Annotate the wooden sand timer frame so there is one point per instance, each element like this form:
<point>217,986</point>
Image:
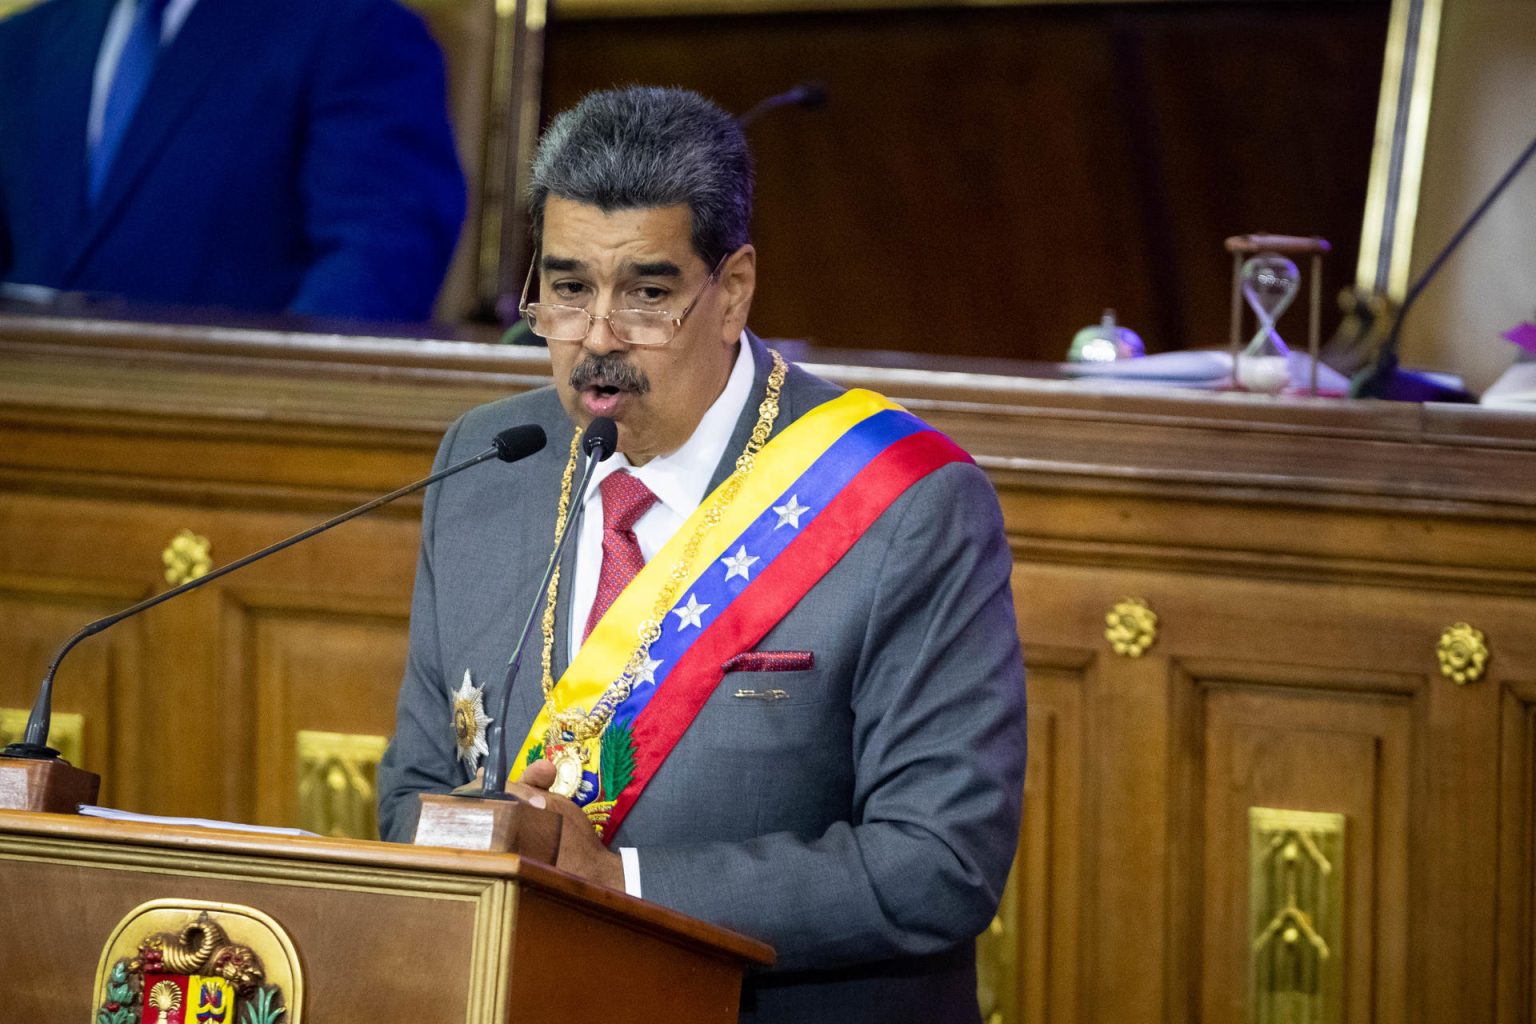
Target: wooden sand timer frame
<point>1244,246</point>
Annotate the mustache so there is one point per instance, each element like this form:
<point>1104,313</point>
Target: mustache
<point>610,370</point>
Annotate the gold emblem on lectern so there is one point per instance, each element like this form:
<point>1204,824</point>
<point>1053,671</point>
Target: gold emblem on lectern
<point>190,962</point>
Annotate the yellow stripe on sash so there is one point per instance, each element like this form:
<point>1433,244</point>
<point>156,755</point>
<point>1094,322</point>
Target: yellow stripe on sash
<point>776,467</point>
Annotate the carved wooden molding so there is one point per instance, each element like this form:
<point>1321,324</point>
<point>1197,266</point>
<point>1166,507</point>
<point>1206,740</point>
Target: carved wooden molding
<point>56,373</point>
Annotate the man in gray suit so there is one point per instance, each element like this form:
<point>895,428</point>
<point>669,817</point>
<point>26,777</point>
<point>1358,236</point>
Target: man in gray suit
<point>833,763</point>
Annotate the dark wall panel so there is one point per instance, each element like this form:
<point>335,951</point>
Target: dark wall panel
<point>984,181</point>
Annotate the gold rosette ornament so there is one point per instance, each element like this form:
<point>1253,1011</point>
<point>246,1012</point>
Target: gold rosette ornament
<point>1132,627</point>
<point>187,557</point>
<point>1463,653</point>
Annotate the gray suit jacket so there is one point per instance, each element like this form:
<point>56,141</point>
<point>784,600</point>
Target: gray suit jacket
<point>865,825</point>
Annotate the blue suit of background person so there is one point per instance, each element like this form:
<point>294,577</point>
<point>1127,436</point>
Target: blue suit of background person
<point>287,155</point>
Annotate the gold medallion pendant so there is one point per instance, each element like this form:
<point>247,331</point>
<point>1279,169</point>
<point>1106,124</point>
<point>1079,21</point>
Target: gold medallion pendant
<point>566,749</point>
<point>568,772</point>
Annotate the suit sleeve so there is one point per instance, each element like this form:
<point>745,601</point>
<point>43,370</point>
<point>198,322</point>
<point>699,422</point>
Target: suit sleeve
<point>939,747</point>
<point>421,756</point>
<point>382,188</point>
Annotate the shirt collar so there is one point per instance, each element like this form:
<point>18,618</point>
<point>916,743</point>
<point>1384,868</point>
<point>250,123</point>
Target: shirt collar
<point>679,479</point>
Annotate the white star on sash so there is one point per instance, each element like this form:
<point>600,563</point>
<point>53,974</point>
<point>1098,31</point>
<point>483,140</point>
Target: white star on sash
<point>690,613</point>
<point>647,672</point>
<point>739,563</point>
<point>790,512</point>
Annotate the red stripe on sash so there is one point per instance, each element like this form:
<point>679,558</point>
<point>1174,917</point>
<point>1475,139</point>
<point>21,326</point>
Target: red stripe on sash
<point>760,607</point>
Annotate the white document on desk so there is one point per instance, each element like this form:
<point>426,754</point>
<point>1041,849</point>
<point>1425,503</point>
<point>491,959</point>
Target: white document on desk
<point>115,814</point>
<point>1515,388</point>
<point>1203,368</point>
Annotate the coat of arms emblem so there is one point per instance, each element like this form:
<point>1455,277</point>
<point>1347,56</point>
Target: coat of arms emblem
<point>191,962</point>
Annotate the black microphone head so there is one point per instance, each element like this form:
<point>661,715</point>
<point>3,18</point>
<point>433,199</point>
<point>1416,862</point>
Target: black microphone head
<point>518,442</point>
<point>810,95</point>
<point>601,438</point>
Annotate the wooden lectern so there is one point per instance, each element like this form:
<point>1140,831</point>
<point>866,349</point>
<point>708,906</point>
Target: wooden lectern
<point>383,933</point>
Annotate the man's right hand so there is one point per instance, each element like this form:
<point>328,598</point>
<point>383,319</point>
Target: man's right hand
<point>581,853</point>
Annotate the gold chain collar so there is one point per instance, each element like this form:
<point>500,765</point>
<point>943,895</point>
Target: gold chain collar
<point>586,725</point>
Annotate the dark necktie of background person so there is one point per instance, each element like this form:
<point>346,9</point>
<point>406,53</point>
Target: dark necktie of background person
<point>134,69</point>
<point>625,500</point>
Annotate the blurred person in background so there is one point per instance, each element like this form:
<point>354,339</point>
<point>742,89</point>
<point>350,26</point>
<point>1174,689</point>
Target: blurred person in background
<point>281,156</point>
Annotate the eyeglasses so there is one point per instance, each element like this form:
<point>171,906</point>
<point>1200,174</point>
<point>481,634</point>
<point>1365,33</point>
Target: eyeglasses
<point>640,327</point>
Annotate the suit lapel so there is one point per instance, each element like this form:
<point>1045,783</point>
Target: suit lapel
<point>65,91</point>
<point>537,539</point>
<point>207,42</point>
<point>562,652</point>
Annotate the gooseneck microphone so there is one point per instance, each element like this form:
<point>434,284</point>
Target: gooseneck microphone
<point>510,445</point>
<point>598,442</point>
<point>806,95</point>
<point>1383,379</point>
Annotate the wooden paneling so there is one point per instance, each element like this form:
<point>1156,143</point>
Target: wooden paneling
<point>312,668</point>
<point>186,705</point>
<point>192,708</point>
<point>1318,751</point>
<point>1517,854</point>
<point>1302,558</point>
<point>1038,929</point>
<point>51,584</point>
<point>90,688</point>
<point>1281,693</point>
<point>1051,875</point>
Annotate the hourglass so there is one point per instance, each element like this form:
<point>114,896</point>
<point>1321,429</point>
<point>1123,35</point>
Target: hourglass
<point>1264,275</point>
<point>1270,282</point>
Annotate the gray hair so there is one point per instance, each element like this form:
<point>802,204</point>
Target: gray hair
<point>643,147</point>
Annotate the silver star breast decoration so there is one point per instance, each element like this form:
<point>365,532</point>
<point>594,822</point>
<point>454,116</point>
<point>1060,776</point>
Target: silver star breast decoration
<point>469,722</point>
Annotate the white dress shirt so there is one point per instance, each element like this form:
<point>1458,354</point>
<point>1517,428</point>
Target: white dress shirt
<point>112,43</point>
<point>680,481</point>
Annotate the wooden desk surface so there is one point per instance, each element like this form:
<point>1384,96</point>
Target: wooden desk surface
<point>401,393</point>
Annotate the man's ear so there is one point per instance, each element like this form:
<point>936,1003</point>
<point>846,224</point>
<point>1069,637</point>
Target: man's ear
<point>738,283</point>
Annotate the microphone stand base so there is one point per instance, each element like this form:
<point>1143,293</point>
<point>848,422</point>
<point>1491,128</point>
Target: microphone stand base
<point>488,823</point>
<point>47,784</point>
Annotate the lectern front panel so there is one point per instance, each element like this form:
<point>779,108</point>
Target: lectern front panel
<point>61,900</point>
<point>381,933</point>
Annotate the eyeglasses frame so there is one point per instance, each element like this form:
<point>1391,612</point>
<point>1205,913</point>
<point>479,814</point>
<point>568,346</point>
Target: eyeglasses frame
<point>592,318</point>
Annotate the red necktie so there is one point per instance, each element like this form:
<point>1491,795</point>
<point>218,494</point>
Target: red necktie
<point>625,500</point>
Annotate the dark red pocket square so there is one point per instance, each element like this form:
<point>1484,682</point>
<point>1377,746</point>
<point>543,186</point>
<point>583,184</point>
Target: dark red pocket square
<point>770,661</point>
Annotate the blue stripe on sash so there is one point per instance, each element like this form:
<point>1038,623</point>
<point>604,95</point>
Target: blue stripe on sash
<point>766,538</point>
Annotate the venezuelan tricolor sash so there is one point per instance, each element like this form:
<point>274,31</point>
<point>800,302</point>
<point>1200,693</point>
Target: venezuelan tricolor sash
<point>813,491</point>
